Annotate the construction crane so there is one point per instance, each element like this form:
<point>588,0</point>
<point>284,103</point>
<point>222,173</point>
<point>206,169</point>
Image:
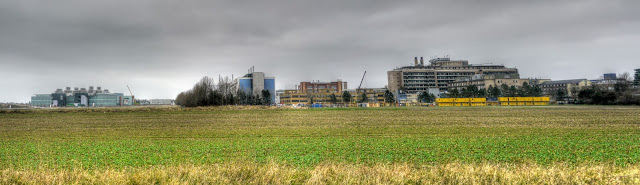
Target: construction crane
<point>358,90</point>
<point>133,101</point>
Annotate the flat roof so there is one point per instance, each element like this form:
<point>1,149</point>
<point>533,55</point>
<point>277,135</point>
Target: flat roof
<point>562,81</point>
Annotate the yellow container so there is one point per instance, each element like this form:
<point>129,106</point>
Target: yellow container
<point>537,99</point>
<point>478,100</point>
<point>503,99</point>
<point>545,99</point>
<point>528,99</point>
<point>520,99</point>
<point>465,104</point>
<point>478,104</point>
<point>512,99</point>
<point>460,100</point>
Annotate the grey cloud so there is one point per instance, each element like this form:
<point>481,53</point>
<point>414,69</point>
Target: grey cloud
<point>162,47</point>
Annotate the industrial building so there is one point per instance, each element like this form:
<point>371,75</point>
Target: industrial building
<point>323,96</point>
<point>81,97</point>
<point>254,82</point>
<point>374,95</point>
<point>161,102</point>
<point>609,76</point>
<point>572,87</point>
<point>438,73</point>
<point>317,92</point>
<point>483,81</point>
<point>317,86</point>
<point>320,92</point>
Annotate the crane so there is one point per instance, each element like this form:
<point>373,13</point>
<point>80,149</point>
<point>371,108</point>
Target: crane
<point>358,90</point>
<point>133,101</point>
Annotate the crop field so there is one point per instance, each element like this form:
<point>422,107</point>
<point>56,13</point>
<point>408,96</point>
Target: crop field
<point>240,145</point>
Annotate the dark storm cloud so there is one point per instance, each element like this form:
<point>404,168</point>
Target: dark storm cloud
<point>161,47</point>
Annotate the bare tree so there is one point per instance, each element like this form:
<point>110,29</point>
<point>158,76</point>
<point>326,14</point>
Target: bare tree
<point>625,77</point>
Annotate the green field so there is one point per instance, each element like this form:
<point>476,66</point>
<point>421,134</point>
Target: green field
<point>124,139</point>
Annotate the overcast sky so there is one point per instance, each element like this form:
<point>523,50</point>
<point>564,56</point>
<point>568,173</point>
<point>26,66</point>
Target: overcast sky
<point>162,47</point>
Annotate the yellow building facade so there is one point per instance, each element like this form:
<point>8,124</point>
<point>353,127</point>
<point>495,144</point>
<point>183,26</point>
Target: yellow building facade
<point>297,97</point>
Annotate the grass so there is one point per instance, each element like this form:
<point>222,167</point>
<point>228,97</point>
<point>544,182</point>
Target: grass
<point>275,173</point>
<point>501,140</point>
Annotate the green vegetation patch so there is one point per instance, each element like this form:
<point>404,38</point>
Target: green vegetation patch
<point>306,138</point>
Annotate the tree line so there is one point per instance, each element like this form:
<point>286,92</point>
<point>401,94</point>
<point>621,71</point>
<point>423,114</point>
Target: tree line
<point>504,90</point>
<point>361,98</point>
<point>622,93</point>
<point>207,93</point>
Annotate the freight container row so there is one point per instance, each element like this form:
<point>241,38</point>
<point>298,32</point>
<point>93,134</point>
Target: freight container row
<point>523,99</point>
<point>504,101</point>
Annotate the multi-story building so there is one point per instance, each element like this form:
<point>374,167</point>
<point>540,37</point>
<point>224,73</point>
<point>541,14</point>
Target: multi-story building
<point>374,95</point>
<point>572,87</point>
<point>41,100</point>
<point>295,97</point>
<point>636,77</point>
<point>316,91</point>
<point>486,81</point>
<point>81,97</point>
<point>317,86</point>
<point>254,82</point>
<point>438,74</point>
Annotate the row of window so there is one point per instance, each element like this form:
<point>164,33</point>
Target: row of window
<point>474,67</point>
<point>424,77</point>
<point>500,72</point>
<point>419,81</point>
<point>556,85</point>
<point>457,73</point>
<point>417,73</point>
<point>420,85</point>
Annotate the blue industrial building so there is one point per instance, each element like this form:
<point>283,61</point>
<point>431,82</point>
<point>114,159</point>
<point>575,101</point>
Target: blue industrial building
<point>254,82</point>
<point>610,76</point>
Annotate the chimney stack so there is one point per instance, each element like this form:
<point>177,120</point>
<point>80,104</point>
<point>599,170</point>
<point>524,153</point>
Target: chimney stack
<point>415,60</point>
<point>421,61</point>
